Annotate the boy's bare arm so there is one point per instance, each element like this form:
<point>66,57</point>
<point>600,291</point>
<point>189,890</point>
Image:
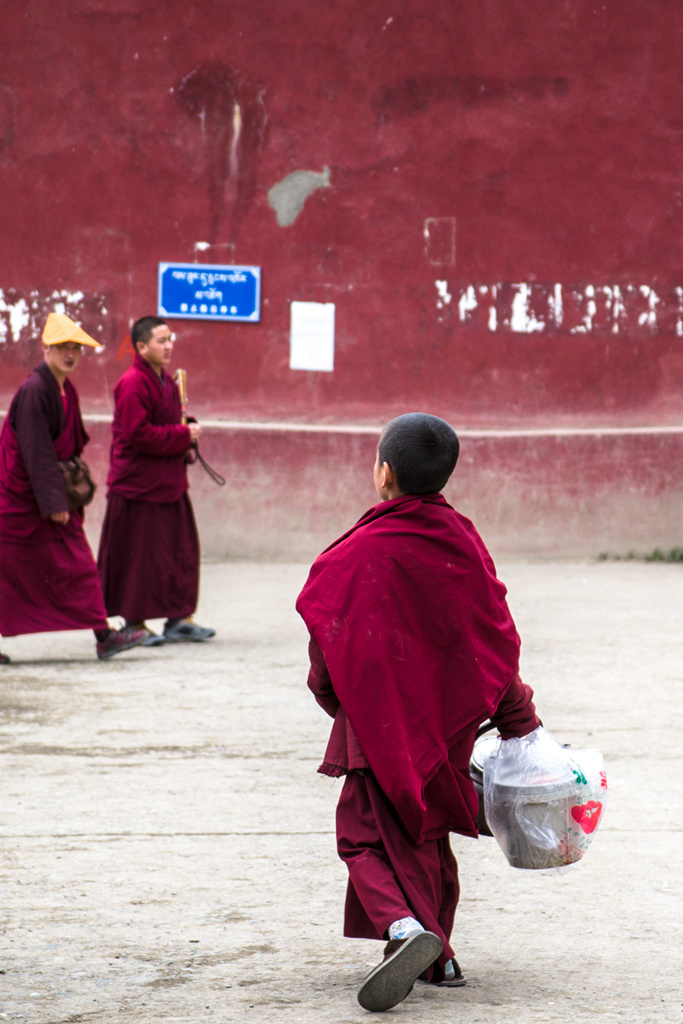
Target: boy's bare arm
<point>319,681</point>
<point>516,714</point>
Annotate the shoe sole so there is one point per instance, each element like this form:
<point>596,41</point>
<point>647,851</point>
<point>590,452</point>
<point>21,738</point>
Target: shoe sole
<point>393,979</point>
<point>119,650</point>
<point>153,641</point>
<point>186,639</point>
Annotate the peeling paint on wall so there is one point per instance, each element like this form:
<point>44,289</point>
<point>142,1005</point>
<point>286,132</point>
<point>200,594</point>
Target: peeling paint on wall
<point>439,236</point>
<point>444,295</point>
<point>522,319</point>
<point>23,314</point>
<point>232,118</point>
<point>531,307</point>
<point>287,198</point>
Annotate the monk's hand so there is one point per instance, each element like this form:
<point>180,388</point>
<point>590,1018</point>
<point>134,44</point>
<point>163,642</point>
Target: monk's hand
<point>195,432</point>
<point>60,517</point>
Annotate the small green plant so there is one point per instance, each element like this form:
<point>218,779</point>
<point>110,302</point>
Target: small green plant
<point>672,555</point>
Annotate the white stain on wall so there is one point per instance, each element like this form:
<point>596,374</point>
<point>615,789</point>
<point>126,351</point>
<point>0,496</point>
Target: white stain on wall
<point>467,302</point>
<point>23,314</point>
<point>15,319</point>
<point>555,305</point>
<point>439,239</point>
<point>530,307</point>
<point>649,318</point>
<point>444,295</point>
<point>522,320</point>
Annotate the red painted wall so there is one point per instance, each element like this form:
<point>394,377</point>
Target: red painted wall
<point>291,492</point>
<point>498,222</point>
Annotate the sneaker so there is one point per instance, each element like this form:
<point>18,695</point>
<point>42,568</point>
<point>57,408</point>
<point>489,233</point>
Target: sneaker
<point>119,640</point>
<point>186,630</point>
<point>391,981</point>
<point>152,639</point>
<point>4,659</point>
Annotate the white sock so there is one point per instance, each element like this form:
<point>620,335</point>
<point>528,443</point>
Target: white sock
<point>449,971</point>
<point>405,928</point>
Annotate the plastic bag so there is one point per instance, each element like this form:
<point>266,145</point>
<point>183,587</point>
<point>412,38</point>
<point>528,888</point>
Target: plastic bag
<point>543,801</point>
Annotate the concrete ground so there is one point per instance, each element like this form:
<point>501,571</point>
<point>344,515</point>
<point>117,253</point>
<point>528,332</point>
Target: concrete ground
<point>167,848</point>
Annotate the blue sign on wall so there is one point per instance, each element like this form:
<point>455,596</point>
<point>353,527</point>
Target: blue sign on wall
<point>200,291</point>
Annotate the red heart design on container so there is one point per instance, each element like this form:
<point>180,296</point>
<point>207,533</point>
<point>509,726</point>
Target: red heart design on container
<point>588,815</point>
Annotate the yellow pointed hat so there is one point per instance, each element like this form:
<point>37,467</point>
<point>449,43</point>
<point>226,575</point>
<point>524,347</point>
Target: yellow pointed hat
<point>60,328</point>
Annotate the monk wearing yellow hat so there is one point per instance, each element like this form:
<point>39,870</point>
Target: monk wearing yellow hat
<point>48,576</point>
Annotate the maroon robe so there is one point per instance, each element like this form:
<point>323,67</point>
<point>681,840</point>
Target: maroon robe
<point>390,877</point>
<point>412,647</point>
<point>48,576</point>
<point>149,549</point>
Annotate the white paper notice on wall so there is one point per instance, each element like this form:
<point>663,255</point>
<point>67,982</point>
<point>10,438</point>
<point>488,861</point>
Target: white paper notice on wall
<point>312,336</point>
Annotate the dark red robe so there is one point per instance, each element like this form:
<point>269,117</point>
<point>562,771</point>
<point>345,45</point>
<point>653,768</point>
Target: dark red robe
<point>412,647</point>
<point>48,576</point>
<point>149,549</point>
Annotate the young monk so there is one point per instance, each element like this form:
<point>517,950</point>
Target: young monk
<point>412,647</point>
<point>149,547</point>
<point>48,576</point>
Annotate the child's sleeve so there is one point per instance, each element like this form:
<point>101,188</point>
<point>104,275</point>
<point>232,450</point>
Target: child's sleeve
<point>516,713</point>
<point>319,681</point>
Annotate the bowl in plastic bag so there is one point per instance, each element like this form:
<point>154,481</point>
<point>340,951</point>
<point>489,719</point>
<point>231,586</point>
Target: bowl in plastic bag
<point>543,801</point>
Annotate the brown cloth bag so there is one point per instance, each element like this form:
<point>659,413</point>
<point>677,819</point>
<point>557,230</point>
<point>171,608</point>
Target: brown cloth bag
<point>80,487</point>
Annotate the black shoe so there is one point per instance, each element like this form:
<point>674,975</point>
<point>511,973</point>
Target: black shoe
<point>4,659</point>
<point>457,980</point>
<point>186,631</point>
<point>391,981</point>
<point>120,640</point>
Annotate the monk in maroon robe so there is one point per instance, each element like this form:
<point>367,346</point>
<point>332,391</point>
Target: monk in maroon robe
<point>48,576</point>
<point>149,548</point>
<point>412,647</point>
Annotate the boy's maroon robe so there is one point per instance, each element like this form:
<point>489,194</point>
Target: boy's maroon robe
<point>48,576</point>
<point>412,647</point>
<point>149,549</point>
<point>420,646</point>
